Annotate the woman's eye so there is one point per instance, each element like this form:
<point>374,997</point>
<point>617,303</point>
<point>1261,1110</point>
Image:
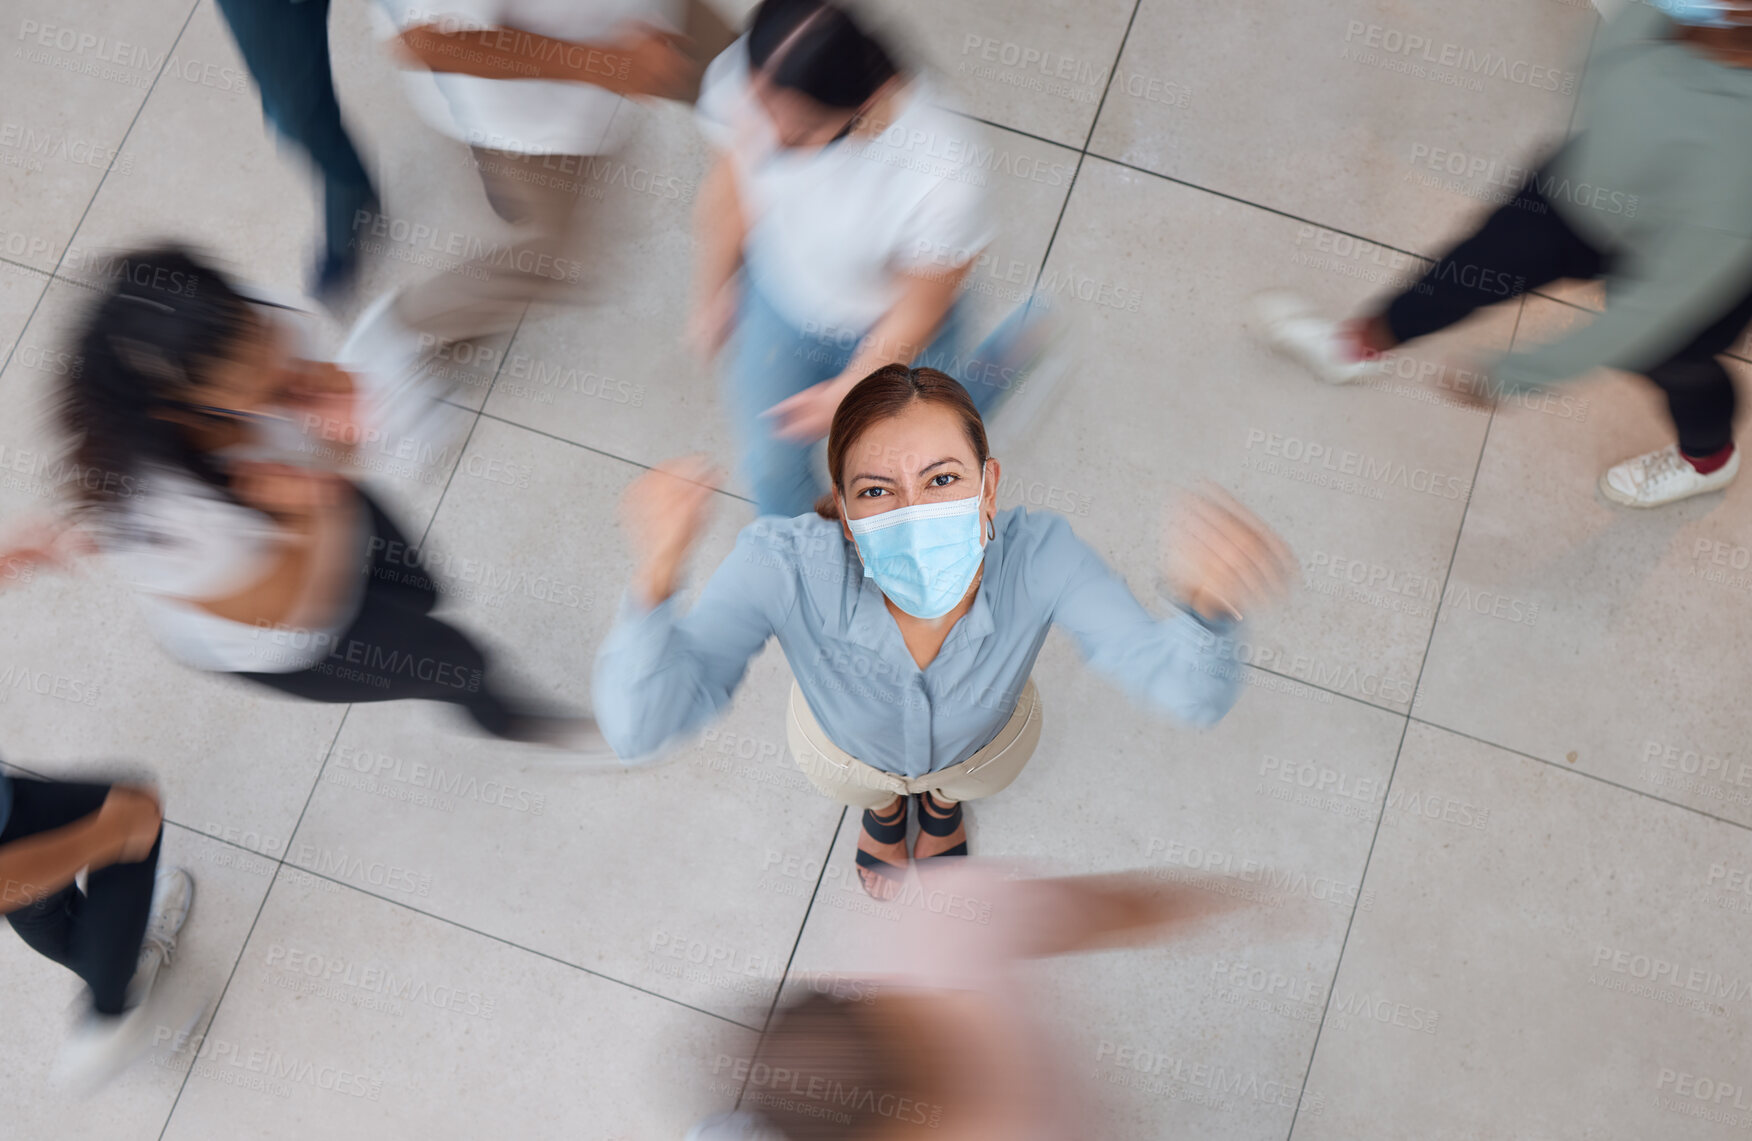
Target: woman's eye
<point>944,479</point>
<point>872,492</point>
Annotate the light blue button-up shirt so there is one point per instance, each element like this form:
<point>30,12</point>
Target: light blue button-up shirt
<point>662,673</point>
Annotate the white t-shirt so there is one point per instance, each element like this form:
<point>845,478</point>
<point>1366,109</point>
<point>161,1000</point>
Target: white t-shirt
<point>176,539</point>
<point>527,116</point>
<point>830,228</point>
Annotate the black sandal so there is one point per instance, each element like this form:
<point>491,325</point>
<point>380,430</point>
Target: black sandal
<point>884,830</point>
<point>934,825</point>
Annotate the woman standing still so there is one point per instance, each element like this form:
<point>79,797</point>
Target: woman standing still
<point>911,611</point>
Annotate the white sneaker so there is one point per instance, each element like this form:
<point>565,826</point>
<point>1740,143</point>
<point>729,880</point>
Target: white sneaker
<point>572,743</point>
<point>1290,326</point>
<point>736,1126</point>
<point>173,891</point>
<point>402,382</point>
<point>1664,476</point>
<point>101,1046</point>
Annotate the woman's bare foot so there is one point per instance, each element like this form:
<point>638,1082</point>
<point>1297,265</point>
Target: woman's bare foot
<point>942,831</point>
<point>882,854</point>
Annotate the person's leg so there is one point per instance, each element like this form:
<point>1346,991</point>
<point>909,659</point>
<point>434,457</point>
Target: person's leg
<point>1702,402</point>
<point>999,762</point>
<point>1700,392</point>
<point>540,195</point>
<point>397,652</point>
<point>95,934</point>
<point>396,567</point>
<point>285,46</point>
<point>1521,246</point>
<point>881,855</point>
<point>768,360</point>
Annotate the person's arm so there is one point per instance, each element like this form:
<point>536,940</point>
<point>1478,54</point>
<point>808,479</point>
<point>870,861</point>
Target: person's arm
<point>645,62</point>
<point>307,571</point>
<point>720,230</point>
<point>904,332</point>
<point>1221,563</point>
<point>1179,665</point>
<point>1655,308</point>
<point>661,673</point>
<point>122,830</point>
<point>1071,914</point>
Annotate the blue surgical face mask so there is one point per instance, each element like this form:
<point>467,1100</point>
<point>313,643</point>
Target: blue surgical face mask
<point>923,557</point>
<point>1699,13</point>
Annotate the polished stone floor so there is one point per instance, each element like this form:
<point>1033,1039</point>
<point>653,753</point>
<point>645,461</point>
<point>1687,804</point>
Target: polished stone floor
<point>1484,793</point>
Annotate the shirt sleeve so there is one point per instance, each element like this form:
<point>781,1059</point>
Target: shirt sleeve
<point>949,227</point>
<point>661,674</point>
<point>178,542</point>
<point>1667,296</point>
<point>723,86</point>
<point>1176,664</point>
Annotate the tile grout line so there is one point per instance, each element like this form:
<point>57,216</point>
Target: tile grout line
<point>1405,730</point>
<point>462,449</point>
<point>767,1022</point>
<point>1398,753</point>
<point>1083,152</point>
<point>52,275</point>
<point>212,1013</point>
<point>280,863</point>
<point>1585,775</point>
<point>98,189</point>
<point>460,926</point>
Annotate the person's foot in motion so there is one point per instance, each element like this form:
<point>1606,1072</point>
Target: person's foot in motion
<point>568,741</point>
<point>1668,475</point>
<point>882,854</point>
<point>101,1046</point>
<point>942,830</point>
<point>1335,351</point>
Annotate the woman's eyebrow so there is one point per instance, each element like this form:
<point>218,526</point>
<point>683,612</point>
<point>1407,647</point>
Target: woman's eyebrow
<point>939,463</point>
<point>874,478</point>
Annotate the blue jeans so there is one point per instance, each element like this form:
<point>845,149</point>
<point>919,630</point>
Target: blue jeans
<point>770,359</point>
<point>285,45</point>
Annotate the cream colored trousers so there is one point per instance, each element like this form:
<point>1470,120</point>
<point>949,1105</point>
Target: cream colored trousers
<point>850,781</point>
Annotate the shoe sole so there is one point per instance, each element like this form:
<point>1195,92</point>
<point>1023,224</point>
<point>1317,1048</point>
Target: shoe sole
<point>1269,310</point>
<point>1623,500</point>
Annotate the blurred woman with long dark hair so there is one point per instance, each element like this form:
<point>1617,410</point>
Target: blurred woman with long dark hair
<point>249,550</point>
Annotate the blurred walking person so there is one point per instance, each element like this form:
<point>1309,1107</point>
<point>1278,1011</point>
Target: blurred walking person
<point>117,932</point>
<point>937,1033</point>
<point>1652,196</point>
<point>842,215</point>
<point>537,89</point>
<point>250,550</point>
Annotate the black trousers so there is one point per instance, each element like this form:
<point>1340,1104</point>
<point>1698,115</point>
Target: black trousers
<point>395,650</point>
<point>95,934</point>
<point>1527,244</point>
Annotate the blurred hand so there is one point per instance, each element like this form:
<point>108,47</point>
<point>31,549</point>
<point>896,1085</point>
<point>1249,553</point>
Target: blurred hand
<point>47,541</point>
<point>664,511</point>
<point>1222,561</point>
<point>807,416</point>
<point>323,401</point>
<point>710,323</point>
<point>658,65</point>
<point>129,820</point>
<point>284,491</point>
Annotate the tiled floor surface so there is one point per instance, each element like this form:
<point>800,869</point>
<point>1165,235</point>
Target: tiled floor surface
<point>1489,770</point>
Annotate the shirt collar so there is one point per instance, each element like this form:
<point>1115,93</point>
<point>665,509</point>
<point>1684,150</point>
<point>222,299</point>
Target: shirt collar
<point>871,626</point>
